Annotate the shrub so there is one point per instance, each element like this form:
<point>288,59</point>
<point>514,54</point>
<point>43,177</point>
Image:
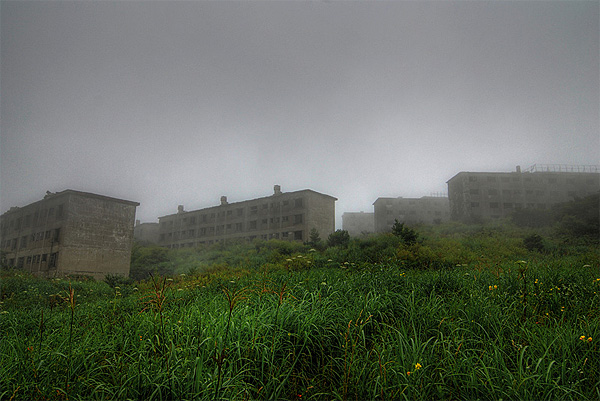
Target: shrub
<point>534,242</point>
<point>338,238</point>
<point>407,234</point>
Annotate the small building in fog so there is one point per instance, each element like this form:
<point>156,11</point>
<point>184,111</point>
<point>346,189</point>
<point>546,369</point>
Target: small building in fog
<point>358,223</point>
<point>491,195</point>
<point>145,232</point>
<point>411,211</point>
<point>288,216</point>
<point>70,232</point>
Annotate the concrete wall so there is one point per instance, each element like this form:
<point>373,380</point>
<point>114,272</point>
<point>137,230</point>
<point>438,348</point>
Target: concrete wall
<point>477,195</point>
<point>358,224</point>
<point>98,237</point>
<point>285,216</point>
<point>424,210</point>
<point>70,232</point>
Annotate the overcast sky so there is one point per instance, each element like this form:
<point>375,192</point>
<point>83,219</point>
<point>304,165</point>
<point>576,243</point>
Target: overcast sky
<point>169,103</point>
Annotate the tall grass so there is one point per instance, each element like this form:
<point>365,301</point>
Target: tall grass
<point>520,327</point>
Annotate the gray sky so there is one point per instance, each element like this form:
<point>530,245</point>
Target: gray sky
<point>169,103</point>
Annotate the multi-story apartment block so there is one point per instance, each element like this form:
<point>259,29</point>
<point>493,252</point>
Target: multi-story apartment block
<point>70,232</point>
<point>358,223</point>
<point>424,210</point>
<point>145,232</point>
<point>476,196</point>
<point>283,215</point>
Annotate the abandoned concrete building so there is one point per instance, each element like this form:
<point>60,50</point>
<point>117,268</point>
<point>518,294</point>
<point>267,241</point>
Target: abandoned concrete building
<point>358,223</point>
<point>480,196</point>
<point>145,232</point>
<point>283,215</point>
<point>70,232</point>
<point>424,210</point>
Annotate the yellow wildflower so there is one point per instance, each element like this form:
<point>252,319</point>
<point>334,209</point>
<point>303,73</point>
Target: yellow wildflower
<point>582,338</point>
<point>419,366</point>
<point>589,339</point>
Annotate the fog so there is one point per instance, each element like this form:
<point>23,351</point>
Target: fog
<point>169,103</point>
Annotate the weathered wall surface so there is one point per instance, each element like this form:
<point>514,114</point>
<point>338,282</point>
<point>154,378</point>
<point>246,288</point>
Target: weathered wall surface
<point>98,237</point>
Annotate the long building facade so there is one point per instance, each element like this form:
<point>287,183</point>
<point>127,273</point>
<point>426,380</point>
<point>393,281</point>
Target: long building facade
<point>284,215</point>
<point>69,232</point>
<point>424,210</point>
<point>482,196</point>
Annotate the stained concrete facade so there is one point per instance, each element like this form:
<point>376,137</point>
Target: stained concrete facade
<point>482,196</point>
<point>283,215</point>
<point>145,232</point>
<point>411,211</point>
<point>70,232</point>
<point>358,223</point>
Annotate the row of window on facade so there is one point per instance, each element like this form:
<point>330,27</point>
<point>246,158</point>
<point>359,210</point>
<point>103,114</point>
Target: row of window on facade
<point>518,192</point>
<point>423,212</point>
<point>236,227</point>
<point>295,235</point>
<point>239,212</point>
<point>44,259</point>
<point>32,220</point>
<point>509,205</point>
<point>14,243</point>
<point>518,178</point>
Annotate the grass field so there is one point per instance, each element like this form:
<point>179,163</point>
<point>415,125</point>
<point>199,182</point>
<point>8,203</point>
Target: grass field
<point>331,324</point>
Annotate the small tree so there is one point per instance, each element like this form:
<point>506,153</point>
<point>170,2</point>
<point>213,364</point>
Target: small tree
<point>534,242</point>
<point>315,240</point>
<point>338,238</point>
<point>406,234</point>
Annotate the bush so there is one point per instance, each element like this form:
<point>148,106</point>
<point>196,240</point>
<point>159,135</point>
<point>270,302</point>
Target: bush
<point>534,242</point>
<point>407,234</point>
<point>338,238</point>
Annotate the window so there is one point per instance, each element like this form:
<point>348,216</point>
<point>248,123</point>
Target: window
<point>298,235</point>
<point>507,205</point>
<point>491,179</point>
<point>265,205</point>
<point>492,192</point>
<point>494,205</point>
<point>27,220</point>
<point>51,211</point>
<point>472,178</point>
<point>238,227</point>
<point>240,212</point>
<point>23,241</point>
<point>253,210</point>
<point>474,204</point>
<point>298,219</point>
<point>229,212</point>
<point>252,225</point>
<point>506,192</point>
<point>60,211</point>
<point>53,259</point>
<point>298,202</point>
<point>285,218</point>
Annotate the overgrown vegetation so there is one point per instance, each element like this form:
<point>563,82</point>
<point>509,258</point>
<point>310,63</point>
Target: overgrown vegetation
<point>461,312</point>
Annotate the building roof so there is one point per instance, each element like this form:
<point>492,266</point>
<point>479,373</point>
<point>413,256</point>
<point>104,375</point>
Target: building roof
<point>252,200</point>
<point>73,192</point>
